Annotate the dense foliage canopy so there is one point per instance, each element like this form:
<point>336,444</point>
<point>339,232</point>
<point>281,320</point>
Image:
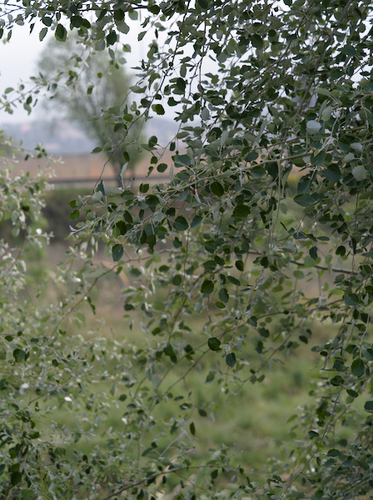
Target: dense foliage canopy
<point>263,233</point>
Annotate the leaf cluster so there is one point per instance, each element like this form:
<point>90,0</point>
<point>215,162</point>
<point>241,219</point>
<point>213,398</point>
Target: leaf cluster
<point>263,233</point>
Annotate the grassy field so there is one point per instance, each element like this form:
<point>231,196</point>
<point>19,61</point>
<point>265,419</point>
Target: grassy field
<point>253,421</point>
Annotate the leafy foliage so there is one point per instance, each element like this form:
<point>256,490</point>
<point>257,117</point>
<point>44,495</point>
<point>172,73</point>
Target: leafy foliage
<point>263,230</point>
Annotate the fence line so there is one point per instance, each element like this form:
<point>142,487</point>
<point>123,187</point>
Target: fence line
<point>89,180</point>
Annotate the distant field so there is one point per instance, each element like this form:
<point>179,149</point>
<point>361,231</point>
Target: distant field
<point>254,421</point>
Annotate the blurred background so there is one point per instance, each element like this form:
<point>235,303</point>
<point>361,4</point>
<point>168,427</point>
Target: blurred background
<point>261,426</point>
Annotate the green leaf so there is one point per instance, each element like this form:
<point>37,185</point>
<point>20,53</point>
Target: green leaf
<point>332,173</point>
<point>60,33</point>
<point>352,393</point>
<point>162,167</point>
<point>181,223</point>
<point>207,287</point>
<point>196,221</point>
<point>304,200</point>
<point>313,127</point>
<point>299,275</point>
<point>214,344</point>
<point>313,253</point>
<point>217,189</point>
<point>177,280</point>
<point>101,188</point>
<point>47,20</point>
<point>182,161</point>
<point>19,355</point>
<point>239,265</point>
<point>154,9</point>
<point>351,299</point>
<point>241,211</point>
<point>137,89</point>
<point>43,33</point>
<point>209,265</point>
<point>117,252</point>
<point>368,406</point>
<point>152,141</point>
<point>76,21</point>
<point>111,38</point>
<point>75,214</point>
<point>181,85</point>
<point>96,150</point>
<point>358,367</point>
<point>15,478</point>
<point>341,250</point>
<point>171,102</point>
<point>337,380</point>
<point>223,295</point>
<point>203,4</point>
<point>368,353</point>
<point>257,41</point>
<point>145,452</point>
<point>177,243</point>
<point>234,280</point>
<point>313,434</point>
<point>359,172</point>
<point>158,108</point>
<point>231,359</point>
<point>152,200</point>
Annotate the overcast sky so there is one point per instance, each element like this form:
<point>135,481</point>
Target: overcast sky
<point>19,61</point>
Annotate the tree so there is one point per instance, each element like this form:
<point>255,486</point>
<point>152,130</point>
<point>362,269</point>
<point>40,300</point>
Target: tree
<point>89,96</point>
<point>272,193</point>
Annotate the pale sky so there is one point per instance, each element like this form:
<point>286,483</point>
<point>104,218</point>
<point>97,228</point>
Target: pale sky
<point>18,61</point>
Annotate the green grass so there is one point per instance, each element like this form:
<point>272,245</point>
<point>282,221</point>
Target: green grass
<point>253,420</point>
<point>254,432</point>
